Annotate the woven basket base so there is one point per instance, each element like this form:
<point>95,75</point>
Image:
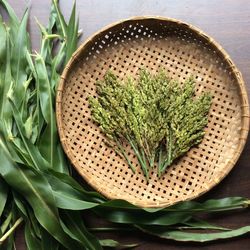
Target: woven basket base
<point>182,51</point>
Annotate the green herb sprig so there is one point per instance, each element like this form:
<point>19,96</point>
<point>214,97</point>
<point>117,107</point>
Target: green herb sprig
<point>160,119</point>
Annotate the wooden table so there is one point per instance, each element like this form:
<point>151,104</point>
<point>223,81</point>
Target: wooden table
<point>228,22</point>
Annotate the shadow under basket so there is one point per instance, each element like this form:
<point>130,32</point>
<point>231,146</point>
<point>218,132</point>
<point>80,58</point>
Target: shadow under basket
<point>181,50</point>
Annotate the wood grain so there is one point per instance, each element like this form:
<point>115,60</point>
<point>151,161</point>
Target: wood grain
<point>228,22</point>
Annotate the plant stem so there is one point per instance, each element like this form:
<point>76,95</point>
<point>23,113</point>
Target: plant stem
<point>159,159</point>
<point>145,165</point>
<point>168,160</point>
<point>120,147</point>
<point>11,230</point>
<point>152,160</point>
<point>140,157</point>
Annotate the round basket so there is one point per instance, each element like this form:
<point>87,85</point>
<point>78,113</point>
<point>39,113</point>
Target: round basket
<point>182,50</point>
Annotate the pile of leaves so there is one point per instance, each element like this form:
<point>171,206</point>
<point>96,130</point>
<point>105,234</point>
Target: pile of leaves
<point>157,117</point>
<point>36,188</point>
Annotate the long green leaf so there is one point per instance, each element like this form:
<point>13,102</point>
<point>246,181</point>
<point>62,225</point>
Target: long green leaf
<point>3,38</point>
<point>49,139</point>
<point>20,204</point>
<point>37,116</point>
<point>5,224</point>
<point>140,217</point>
<point>57,63</point>
<point>38,161</point>
<point>48,242</point>
<point>18,152</point>
<point>35,225</point>
<point>35,188</point>
<point>197,237</point>
<point>32,242</point>
<point>68,181</point>
<point>3,194</point>
<point>13,19</point>
<point>60,21</point>
<point>72,31</point>
<point>6,82</point>
<point>117,245</point>
<point>212,205</point>
<point>43,85</point>
<point>192,207</point>
<point>196,223</point>
<point>18,60</point>
<point>69,198</point>
<point>74,226</point>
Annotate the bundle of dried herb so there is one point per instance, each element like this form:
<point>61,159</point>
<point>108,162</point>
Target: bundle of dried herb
<point>159,118</point>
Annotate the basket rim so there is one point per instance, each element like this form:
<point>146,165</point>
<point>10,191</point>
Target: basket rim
<point>237,74</point>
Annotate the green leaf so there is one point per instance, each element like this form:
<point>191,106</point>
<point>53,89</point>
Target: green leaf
<point>3,194</point>
<point>212,205</point>
<point>46,50</point>
<point>5,85</point>
<point>57,63</point>
<point>48,242</point>
<point>72,31</point>
<point>66,197</point>
<point>196,223</point>
<point>141,217</point>
<point>18,152</point>
<point>35,188</point>
<point>52,19</point>
<point>28,127</point>
<point>69,181</point>
<point>49,139</point>
<point>197,237</point>
<point>37,115</point>
<point>43,85</point>
<point>192,207</point>
<point>13,19</point>
<point>20,204</point>
<point>32,242</point>
<point>38,161</point>
<point>117,245</point>
<point>217,205</point>
<point>5,224</point>
<point>36,227</point>
<point>2,46</point>
<point>18,60</point>
<point>60,21</point>
<point>74,226</point>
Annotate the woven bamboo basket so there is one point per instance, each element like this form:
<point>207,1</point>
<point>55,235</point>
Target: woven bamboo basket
<point>182,50</point>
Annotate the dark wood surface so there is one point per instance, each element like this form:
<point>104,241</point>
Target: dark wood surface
<point>228,22</point>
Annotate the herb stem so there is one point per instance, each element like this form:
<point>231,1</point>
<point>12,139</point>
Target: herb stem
<point>121,149</point>
<point>140,157</point>
<point>159,160</point>
<point>168,160</point>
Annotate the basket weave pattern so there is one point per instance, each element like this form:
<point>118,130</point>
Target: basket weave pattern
<point>182,50</point>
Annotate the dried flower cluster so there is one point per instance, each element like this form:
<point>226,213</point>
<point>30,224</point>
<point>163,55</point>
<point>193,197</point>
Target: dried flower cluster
<point>158,117</point>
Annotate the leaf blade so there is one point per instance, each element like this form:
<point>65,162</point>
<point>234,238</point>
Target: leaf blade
<point>38,193</point>
<point>195,237</point>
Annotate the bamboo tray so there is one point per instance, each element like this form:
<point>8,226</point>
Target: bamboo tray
<point>182,50</point>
